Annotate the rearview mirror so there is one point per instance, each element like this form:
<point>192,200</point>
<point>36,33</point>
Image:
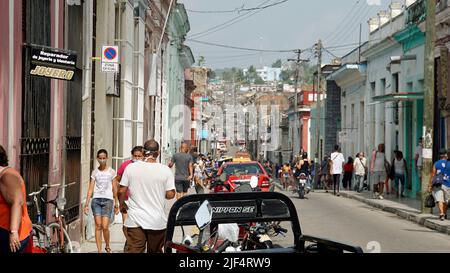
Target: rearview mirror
<point>203,216</point>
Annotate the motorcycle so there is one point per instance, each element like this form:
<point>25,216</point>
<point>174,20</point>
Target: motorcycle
<point>302,181</point>
<point>213,213</point>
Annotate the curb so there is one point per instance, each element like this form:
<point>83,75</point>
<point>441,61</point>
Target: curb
<point>427,220</point>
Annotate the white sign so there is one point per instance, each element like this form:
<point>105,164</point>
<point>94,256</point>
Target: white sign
<point>110,54</point>
<point>110,67</point>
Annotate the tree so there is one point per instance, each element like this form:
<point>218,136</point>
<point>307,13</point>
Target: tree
<point>211,74</point>
<point>277,64</point>
<point>259,80</point>
<point>201,60</point>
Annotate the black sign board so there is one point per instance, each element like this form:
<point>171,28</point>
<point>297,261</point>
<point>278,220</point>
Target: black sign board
<point>53,63</point>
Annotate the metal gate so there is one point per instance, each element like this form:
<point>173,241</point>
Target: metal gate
<point>35,140</point>
<point>73,110</point>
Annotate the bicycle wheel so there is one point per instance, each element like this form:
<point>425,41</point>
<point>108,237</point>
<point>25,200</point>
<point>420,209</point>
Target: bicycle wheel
<point>55,245</point>
<point>39,237</point>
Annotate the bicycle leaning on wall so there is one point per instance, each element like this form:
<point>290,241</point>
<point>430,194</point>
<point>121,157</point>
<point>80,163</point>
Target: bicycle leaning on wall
<point>52,237</point>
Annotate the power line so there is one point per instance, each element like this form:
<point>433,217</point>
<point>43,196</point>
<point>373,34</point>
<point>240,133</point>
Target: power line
<point>238,48</point>
<point>227,22</point>
<point>240,9</point>
<point>334,32</point>
<point>346,28</point>
<point>355,26</point>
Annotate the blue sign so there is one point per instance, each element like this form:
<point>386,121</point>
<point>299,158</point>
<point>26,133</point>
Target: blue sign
<point>110,53</point>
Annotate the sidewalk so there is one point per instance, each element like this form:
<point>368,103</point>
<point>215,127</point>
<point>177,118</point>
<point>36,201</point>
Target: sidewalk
<point>405,208</point>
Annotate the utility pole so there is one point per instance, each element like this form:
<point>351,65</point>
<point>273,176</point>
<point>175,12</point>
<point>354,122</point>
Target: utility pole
<point>318,92</point>
<point>428,116</point>
<point>297,61</point>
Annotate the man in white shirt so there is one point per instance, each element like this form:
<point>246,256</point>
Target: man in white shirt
<point>150,184</point>
<point>337,167</point>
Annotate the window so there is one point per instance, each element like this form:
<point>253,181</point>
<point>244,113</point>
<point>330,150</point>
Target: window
<point>395,83</point>
<point>372,89</point>
<point>383,87</point>
<point>352,117</point>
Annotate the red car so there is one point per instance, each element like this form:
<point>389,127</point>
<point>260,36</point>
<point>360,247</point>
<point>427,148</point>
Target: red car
<point>241,172</point>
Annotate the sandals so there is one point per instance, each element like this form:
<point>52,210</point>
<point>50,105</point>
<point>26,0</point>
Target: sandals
<point>442,217</point>
<point>108,249</point>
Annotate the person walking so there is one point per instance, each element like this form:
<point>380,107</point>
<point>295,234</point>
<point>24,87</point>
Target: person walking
<point>360,166</point>
<point>199,169</point>
<point>380,169</point>
<point>150,184</point>
<point>15,224</point>
<point>137,154</point>
<point>102,190</point>
<point>348,174</point>
<point>325,174</point>
<point>183,162</point>
<point>285,174</point>
<point>439,184</point>
<point>418,160</point>
<point>400,171</point>
<point>337,167</point>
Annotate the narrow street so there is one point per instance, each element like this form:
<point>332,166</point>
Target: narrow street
<point>144,101</point>
<point>344,220</point>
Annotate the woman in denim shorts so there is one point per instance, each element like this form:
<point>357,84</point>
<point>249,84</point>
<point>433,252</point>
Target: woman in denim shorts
<point>102,189</point>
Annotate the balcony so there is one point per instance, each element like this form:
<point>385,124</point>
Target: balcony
<point>416,13</point>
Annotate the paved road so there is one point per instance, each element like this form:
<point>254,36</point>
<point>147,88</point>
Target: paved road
<point>352,222</point>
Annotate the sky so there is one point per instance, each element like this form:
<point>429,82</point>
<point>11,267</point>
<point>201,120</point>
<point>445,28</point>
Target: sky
<point>291,24</point>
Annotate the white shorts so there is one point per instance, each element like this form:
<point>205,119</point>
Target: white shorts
<point>441,194</point>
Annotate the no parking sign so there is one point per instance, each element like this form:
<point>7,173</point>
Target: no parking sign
<point>110,59</point>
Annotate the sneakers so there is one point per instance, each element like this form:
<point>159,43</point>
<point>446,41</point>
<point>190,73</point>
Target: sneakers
<point>442,217</point>
<point>381,197</point>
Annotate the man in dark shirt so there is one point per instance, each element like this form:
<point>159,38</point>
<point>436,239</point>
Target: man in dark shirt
<point>184,170</point>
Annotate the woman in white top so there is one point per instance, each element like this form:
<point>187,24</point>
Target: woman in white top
<point>401,170</point>
<point>102,188</point>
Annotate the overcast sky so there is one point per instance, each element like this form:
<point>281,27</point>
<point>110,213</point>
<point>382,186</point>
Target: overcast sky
<point>289,25</point>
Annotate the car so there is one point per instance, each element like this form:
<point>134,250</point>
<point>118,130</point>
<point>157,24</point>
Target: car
<point>242,172</point>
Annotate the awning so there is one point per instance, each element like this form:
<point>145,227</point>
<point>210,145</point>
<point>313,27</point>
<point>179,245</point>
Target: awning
<point>404,96</point>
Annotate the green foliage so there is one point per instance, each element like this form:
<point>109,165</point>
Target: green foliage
<point>201,61</point>
<point>277,64</point>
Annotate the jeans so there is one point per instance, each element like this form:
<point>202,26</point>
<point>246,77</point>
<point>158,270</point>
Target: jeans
<point>359,183</point>
<point>400,177</point>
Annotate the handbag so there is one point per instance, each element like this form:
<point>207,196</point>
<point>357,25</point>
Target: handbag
<point>430,202</point>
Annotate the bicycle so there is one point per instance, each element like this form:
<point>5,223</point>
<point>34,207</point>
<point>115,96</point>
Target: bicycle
<point>51,238</point>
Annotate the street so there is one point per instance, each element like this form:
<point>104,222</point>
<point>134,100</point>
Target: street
<point>355,223</point>
<point>228,93</point>
<point>344,220</point>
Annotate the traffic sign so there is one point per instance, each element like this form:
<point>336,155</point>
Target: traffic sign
<point>110,54</point>
<point>110,67</point>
